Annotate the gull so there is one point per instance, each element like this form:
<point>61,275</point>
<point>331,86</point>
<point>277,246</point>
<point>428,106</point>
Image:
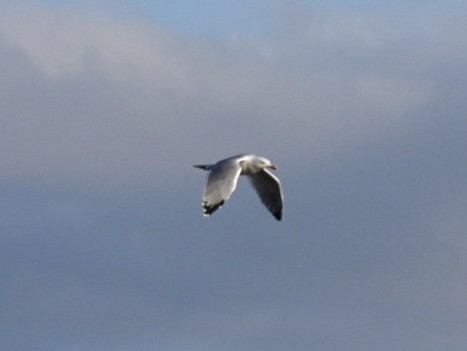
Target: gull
<point>223,177</point>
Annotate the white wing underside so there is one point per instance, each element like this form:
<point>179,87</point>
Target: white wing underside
<point>222,181</point>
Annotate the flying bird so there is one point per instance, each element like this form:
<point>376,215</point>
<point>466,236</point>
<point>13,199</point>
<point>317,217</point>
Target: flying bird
<point>223,177</point>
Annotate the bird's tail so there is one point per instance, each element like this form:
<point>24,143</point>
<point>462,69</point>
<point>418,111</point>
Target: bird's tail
<point>205,167</point>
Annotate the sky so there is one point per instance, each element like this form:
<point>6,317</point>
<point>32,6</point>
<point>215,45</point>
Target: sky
<point>104,108</point>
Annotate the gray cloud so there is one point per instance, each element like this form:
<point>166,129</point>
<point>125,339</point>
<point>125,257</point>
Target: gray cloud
<point>96,93</point>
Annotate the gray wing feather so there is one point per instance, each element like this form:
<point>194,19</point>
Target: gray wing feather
<point>268,187</point>
<point>222,181</point>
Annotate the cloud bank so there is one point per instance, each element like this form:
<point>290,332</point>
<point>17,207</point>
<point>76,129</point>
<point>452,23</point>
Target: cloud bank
<point>90,95</point>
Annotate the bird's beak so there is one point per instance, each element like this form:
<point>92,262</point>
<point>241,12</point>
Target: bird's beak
<point>273,166</point>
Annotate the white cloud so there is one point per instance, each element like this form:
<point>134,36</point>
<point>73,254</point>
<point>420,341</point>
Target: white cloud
<point>61,44</point>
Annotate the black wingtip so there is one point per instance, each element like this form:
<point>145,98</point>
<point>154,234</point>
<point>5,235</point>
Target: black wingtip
<point>208,209</point>
<point>278,216</point>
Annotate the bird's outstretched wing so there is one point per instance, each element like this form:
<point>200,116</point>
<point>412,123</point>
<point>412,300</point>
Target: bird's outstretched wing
<point>268,187</point>
<point>222,181</point>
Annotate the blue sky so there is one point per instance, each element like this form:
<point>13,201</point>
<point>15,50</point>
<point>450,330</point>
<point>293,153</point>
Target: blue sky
<point>223,18</point>
<point>105,108</point>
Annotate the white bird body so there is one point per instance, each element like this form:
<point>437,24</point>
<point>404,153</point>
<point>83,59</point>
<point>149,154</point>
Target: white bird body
<point>223,177</point>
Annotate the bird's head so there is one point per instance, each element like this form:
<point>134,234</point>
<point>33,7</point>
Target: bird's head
<point>265,163</point>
